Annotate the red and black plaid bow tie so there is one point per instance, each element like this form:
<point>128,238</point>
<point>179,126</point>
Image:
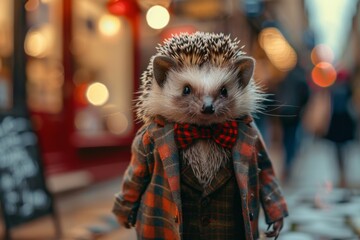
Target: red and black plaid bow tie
<point>224,134</point>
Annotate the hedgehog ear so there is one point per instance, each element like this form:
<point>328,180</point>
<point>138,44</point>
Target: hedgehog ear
<point>245,67</point>
<point>161,66</point>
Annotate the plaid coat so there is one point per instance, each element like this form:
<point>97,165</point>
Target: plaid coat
<point>150,193</point>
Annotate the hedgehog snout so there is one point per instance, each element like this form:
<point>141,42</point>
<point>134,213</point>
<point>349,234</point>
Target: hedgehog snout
<point>208,106</point>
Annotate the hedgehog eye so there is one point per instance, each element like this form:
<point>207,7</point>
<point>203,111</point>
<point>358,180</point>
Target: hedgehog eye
<point>186,90</point>
<point>223,92</point>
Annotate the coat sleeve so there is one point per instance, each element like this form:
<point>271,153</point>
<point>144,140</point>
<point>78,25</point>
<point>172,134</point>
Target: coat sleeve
<point>271,197</point>
<point>136,178</point>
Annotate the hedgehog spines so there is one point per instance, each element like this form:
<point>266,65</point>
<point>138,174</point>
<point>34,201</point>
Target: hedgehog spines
<point>189,50</point>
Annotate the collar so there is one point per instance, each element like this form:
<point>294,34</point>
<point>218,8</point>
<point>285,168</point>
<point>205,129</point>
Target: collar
<point>161,121</point>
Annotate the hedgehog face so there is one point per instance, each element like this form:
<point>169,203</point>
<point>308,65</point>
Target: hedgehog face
<point>200,95</point>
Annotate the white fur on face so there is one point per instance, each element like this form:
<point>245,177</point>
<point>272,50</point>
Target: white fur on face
<point>205,83</point>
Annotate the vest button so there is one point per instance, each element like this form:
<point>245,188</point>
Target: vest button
<point>205,220</point>
<point>205,202</point>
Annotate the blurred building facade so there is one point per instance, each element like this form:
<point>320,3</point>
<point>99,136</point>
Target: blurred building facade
<point>84,59</point>
<point>80,78</point>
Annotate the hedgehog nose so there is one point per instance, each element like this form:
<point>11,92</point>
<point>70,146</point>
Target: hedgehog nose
<point>208,109</point>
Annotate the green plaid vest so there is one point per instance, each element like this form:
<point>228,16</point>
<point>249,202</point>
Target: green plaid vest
<point>214,212</point>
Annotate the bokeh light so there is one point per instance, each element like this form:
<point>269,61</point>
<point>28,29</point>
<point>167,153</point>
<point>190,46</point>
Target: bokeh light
<point>157,17</point>
<point>322,53</point>
<point>36,44</point>
<point>123,7</point>
<point>80,94</point>
<point>109,25</point>
<point>277,49</point>
<point>323,74</point>
<point>31,5</point>
<point>117,123</point>
<point>97,94</point>
<point>39,41</point>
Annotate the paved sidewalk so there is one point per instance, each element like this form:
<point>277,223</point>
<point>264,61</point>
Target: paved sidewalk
<point>85,214</point>
<point>318,210</point>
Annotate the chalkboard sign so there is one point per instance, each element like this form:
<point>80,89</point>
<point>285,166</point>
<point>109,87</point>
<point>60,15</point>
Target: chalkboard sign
<point>23,192</point>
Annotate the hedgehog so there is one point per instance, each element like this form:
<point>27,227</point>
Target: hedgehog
<point>199,168</point>
<point>215,59</point>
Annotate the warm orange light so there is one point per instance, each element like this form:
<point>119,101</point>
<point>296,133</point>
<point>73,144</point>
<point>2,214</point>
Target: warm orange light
<point>97,94</point>
<point>39,41</point>
<point>36,43</point>
<point>123,7</point>
<point>157,17</point>
<point>80,94</point>
<point>322,53</point>
<point>109,25</point>
<point>31,5</point>
<point>277,49</point>
<point>323,74</point>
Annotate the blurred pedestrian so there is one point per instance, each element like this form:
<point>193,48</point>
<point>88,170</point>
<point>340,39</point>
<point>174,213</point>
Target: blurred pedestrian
<point>292,94</point>
<point>342,124</point>
<point>355,99</point>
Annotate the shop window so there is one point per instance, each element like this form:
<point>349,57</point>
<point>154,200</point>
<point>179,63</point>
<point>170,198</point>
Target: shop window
<point>103,74</point>
<point>44,68</point>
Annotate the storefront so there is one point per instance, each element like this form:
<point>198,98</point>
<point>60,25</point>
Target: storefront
<point>77,81</point>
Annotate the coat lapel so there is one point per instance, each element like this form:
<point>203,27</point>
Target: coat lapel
<point>242,154</point>
<point>169,155</point>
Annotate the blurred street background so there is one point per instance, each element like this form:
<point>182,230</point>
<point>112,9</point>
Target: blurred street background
<point>70,69</point>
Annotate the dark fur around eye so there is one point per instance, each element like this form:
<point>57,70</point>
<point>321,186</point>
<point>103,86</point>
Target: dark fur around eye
<point>186,90</point>
<point>223,92</point>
